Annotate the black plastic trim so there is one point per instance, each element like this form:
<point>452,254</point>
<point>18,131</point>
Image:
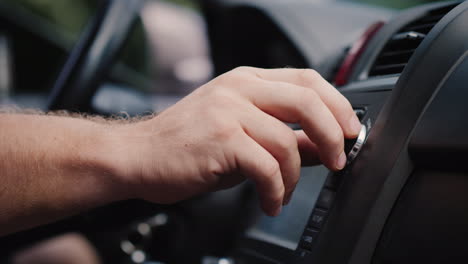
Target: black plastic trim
<point>415,90</point>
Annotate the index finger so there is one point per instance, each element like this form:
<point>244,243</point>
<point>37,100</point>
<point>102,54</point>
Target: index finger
<point>297,104</point>
<point>335,101</point>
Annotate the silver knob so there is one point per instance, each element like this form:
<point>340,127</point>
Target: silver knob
<point>356,147</point>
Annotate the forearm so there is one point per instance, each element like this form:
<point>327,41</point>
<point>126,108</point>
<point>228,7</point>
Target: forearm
<point>229,130</point>
<point>53,167</point>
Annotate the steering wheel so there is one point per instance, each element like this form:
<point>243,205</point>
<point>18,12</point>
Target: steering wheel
<point>92,57</point>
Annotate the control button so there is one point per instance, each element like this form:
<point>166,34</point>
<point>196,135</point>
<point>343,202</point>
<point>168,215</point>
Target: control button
<point>318,218</point>
<point>333,180</point>
<point>308,238</point>
<point>326,199</point>
<point>360,113</point>
<point>353,146</point>
<point>302,252</point>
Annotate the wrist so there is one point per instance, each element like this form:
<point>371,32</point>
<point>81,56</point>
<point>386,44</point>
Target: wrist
<point>105,155</point>
<point>123,153</point>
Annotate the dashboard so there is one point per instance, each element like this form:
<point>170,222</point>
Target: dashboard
<point>401,200</point>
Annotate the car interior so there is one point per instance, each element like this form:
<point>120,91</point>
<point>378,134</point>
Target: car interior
<point>403,198</point>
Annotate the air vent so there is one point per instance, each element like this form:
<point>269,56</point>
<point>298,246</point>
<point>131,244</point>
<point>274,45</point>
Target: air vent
<point>397,52</point>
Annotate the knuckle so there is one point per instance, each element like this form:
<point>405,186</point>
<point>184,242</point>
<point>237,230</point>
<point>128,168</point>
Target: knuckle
<point>240,72</point>
<point>307,99</point>
<point>309,76</point>
<point>288,143</point>
<point>220,96</point>
<point>232,78</point>
<point>243,69</point>
<point>216,106</point>
<point>271,170</point>
<point>222,130</point>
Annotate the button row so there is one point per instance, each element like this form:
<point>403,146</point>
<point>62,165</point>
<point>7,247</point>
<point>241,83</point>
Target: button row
<point>318,218</point>
<point>308,239</point>
<point>323,205</point>
<point>319,214</point>
<point>326,199</point>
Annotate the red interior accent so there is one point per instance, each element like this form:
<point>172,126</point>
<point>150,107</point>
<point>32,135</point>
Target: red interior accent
<point>341,78</point>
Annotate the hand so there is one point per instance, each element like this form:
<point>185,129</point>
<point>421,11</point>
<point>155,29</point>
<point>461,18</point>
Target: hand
<point>231,129</point>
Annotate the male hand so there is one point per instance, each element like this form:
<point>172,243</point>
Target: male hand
<point>232,129</point>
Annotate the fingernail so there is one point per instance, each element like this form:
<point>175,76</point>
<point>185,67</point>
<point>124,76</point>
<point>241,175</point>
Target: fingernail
<point>355,125</point>
<point>341,162</point>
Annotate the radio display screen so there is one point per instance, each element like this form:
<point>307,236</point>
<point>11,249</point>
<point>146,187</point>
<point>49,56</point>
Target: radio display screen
<point>286,229</point>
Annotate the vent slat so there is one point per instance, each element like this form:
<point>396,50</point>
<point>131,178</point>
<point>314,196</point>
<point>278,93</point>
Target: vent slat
<point>422,28</point>
<point>388,69</point>
<point>396,53</point>
<point>432,19</point>
<point>408,35</point>
<point>390,57</point>
<point>401,46</point>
